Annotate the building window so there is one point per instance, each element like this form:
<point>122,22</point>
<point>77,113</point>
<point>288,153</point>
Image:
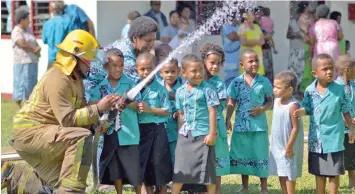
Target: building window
<point>200,10</point>
<point>39,13</point>
<point>8,8</point>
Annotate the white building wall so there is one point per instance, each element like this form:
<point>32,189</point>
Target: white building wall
<point>112,16</point>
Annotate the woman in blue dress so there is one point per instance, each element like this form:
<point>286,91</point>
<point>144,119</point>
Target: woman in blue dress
<point>231,46</point>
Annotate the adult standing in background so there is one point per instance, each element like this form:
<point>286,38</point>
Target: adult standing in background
<point>335,15</point>
<point>141,38</point>
<point>266,47</point>
<point>251,37</point>
<point>158,16</point>
<point>78,18</point>
<point>55,30</point>
<point>185,14</point>
<point>325,34</point>
<point>172,29</point>
<point>298,43</point>
<point>305,21</point>
<point>131,16</point>
<point>231,46</point>
<point>26,52</point>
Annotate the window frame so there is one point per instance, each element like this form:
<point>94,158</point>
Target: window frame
<point>31,7</point>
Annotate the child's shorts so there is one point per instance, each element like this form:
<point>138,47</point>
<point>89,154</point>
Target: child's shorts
<point>155,156</point>
<point>349,154</point>
<point>327,165</point>
<point>119,162</point>
<point>195,162</point>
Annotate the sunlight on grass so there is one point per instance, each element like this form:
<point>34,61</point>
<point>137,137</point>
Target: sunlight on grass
<point>231,183</point>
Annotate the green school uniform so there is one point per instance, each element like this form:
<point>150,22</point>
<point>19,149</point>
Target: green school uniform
<point>221,147</point>
<point>172,126</point>
<point>129,132</point>
<point>195,105</point>
<point>351,95</point>
<point>249,144</point>
<point>155,95</point>
<point>326,129</point>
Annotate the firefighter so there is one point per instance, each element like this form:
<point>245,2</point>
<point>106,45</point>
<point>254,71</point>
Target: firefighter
<point>51,132</point>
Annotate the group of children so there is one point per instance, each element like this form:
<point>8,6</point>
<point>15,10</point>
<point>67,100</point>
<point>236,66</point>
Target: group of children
<point>175,129</point>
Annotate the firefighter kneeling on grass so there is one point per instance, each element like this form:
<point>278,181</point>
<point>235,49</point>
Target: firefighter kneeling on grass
<point>52,130</point>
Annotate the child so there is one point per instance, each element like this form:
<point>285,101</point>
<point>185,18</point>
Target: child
<point>346,75</point>
<point>213,58</point>
<point>162,51</point>
<point>249,145</point>
<point>286,139</point>
<point>131,16</point>
<point>154,151</point>
<point>347,47</point>
<point>196,102</point>
<point>267,25</point>
<point>326,102</point>
<point>170,74</point>
<point>120,154</point>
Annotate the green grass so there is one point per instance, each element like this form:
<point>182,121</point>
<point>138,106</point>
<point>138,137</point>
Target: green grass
<point>230,184</point>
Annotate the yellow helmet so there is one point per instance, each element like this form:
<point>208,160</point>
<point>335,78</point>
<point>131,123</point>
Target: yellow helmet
<point>79,43</point>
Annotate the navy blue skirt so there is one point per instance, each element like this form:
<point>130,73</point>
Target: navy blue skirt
<point>119,162</point>
<point>155,156</point>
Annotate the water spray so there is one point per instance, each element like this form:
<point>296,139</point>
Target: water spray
<point>221,16</point>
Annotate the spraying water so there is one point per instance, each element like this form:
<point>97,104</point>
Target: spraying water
<point>220,16</point>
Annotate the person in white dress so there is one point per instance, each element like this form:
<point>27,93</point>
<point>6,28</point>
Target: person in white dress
<point>286,139</point>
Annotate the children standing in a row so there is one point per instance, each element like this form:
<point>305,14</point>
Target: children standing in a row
<point>198,137</point>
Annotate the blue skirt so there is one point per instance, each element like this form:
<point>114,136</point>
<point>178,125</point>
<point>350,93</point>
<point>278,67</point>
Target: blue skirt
<point>25,79</point>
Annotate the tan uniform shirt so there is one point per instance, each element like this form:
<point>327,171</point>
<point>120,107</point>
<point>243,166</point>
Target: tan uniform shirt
<point>57,99</point>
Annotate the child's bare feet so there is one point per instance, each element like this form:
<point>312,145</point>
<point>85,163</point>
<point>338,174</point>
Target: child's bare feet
<point>243,190</point>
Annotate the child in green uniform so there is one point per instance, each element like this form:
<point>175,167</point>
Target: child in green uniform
<point>171,81</point>
<point>327,104</point>
<point>252,93</point>
<point>196,102</point>
<point>213,58</point>
<point>120,155</point>
<point>346,70</point>
<point>154,147</point>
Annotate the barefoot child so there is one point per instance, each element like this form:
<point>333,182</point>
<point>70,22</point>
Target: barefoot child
<point>326,103</point>
<point>196,102</point>
<point>286,139</point>
<point>346,71</point>
<point>120,154</point>
<point>154,151</point>
<point>213,58</point>
<point>171,81</point>
<point>252,93</point>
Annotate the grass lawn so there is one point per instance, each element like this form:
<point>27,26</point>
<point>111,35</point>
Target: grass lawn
<point>230,184</point>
